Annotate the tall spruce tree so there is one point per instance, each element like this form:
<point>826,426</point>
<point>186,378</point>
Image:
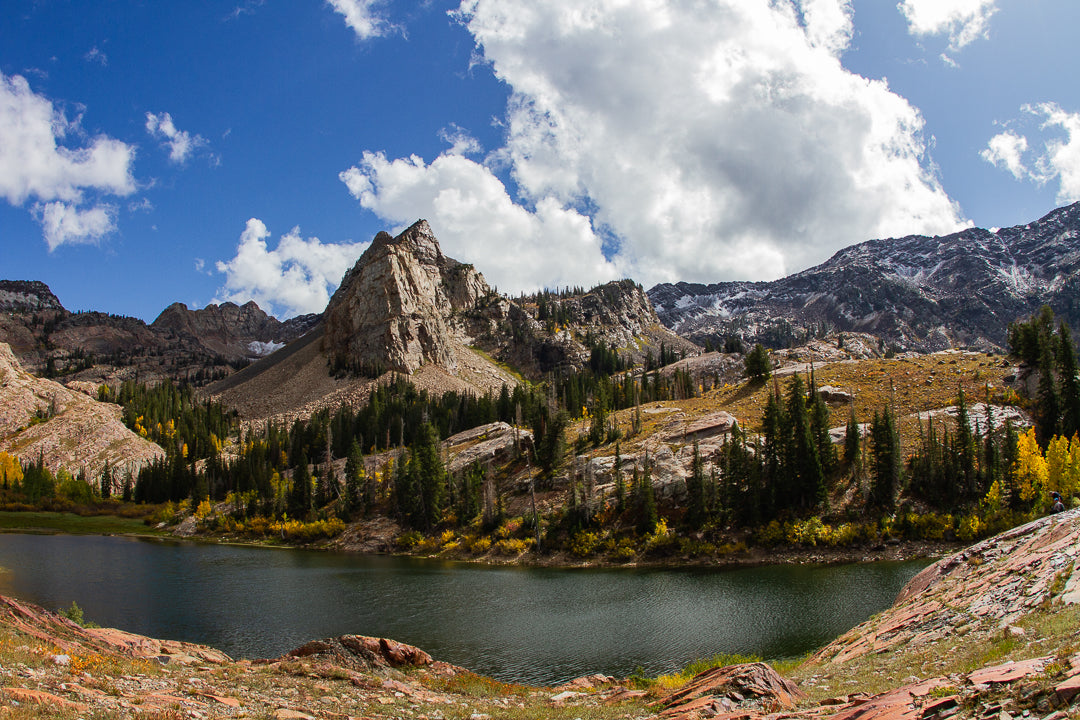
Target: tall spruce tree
<point>1049,410</point>
<point>803,460</point>
<point>354,480</point>
<point>696,510</point>
<point>885,444</point>
<point>1069,382</point>
<point>852,438</point>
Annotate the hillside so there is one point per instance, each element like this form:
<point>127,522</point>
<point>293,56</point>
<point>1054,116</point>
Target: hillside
<point>181,344</point>
<point>64,427</point>
<point>917,292</point>
<point>405,309</point>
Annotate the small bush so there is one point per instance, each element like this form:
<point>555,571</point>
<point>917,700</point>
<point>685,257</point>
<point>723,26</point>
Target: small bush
<point>583,544</point>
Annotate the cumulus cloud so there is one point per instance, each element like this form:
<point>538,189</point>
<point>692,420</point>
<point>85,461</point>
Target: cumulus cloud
<point>1058,159</point>
<point>963,20</point>
<point>1006,150</point>
<point>60,179</point>
<point>66,224</point>
<point>670,141</point>
<point>360,15</point>
<point>476,220</point>
<point>181,144</point>
<point>296,277</point>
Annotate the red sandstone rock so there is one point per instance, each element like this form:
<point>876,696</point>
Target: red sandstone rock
<point>735,683</point>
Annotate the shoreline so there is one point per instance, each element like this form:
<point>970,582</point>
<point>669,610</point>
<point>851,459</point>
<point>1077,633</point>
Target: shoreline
<point>898,551</point>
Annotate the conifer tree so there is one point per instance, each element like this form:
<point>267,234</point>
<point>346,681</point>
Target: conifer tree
<point>885,444</point>
<point>775,473</point>
<point>647,516</point>
<point>803,460</point>
<point>301,496</point>
<point>965,451</point>
<point>696,511</point>
<point>819,425</point>
<point>354,471</point>
<point>1070,383</point>
<point>620,484</point>
<point>1049,404</point>
<point>852,443</point>
<point>757,363</point>
<point>106,481</point>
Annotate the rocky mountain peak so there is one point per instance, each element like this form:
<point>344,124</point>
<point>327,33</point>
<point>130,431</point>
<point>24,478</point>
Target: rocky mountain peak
<point>917,292</point>
<point>27,296</point>
<point>418,239</point>
<point>395,308</point>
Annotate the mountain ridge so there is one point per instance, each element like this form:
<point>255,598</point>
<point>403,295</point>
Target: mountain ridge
<point>916,292</point>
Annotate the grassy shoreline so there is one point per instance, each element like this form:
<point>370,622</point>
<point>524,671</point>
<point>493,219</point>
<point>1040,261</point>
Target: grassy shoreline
<point>52,522</point>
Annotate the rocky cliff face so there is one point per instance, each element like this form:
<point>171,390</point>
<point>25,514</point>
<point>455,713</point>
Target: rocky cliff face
<point>181,344</point>
<point>27,296</point>
<point>395,309</point>
<point>924,293</point>
<point>41,418</point>
<point>233,331</point>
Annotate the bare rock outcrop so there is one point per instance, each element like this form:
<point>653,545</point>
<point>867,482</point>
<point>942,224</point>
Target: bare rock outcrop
<point>73,639</point>
<point>230,330</point>
<point>41,418</point>
<point>724,689</point>
<point>981,590</point>
<point>360,652</point>
<point>394,310</point>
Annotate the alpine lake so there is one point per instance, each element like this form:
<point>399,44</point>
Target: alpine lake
<point>539,626</point>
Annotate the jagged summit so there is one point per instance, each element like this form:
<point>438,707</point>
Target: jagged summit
<point>395,308</point>
<point>923,293</point>
<point>27,296</point>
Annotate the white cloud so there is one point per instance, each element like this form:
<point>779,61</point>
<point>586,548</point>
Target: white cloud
<point>460,141</point>
<point>65,224</point>
<point>360,15</point>
<point>96,55</point>
<point>181,144</point>
<point>33,164</point>
<point>1007,150</point>
<point>964,20</point>
<point>1059,157</point>
<point>477,221</point>
<point>704,142</point>
<point>294,278</point>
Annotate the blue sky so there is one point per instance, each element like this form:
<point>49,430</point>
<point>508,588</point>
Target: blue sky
<point>202,152</point>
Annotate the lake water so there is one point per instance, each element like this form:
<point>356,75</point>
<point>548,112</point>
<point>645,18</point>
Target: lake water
<point>532,625</point>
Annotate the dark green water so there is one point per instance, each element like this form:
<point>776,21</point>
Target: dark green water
<point>539,626</point>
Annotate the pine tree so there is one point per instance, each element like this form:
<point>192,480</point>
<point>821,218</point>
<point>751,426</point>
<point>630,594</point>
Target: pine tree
<point>965,451</point>
<point>696,511</point>
<point>803,460</point>
<point>106,481</point>
<point>757,363</point>
<point>647,516</point>
<point>775,475</point>
<point>431,478</point>
<point>354,480</point>
<point>1049,409</point>
<point>819,426</point>
<point>620,484</point>
<point>852,444</point>
<point>1070,383</point>
<point>300,498</point>
<point>885,444</point>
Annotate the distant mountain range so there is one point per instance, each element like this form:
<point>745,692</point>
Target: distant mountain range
<point>406,307</point>
<point>181,343</point>
<point>917,292</point>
